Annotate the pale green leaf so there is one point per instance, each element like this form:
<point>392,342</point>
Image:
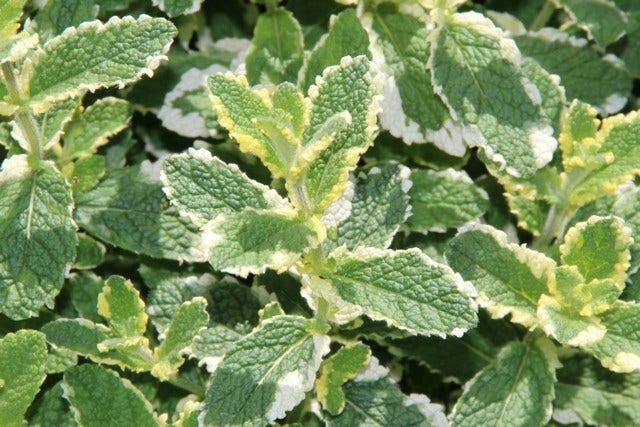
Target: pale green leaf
<point>101,398</point>
<point>476,71</point>
<point>567,325</point>
<point>37,235</point>
<point>349,87</point>
<point>619,350</point>
<point>444,199</point>
<point>179,335</point>
<point>23,356</point>
<point>578,67</point>
<point>128,209</point>
<point>85,173</point>
<point>96,55</point>
<point>58,15</point>
<point>376,211</point>
<point>288,98</point>
<point>277,49</point>
<point>480,254</point>
<point>251,241</point>
<point>175,8</point>
<point>14,49</point>
<point>213,343</point>
<point>93,127</point>
<point>346,37</point>
<point>406,289</point>
<point>10,13</point>
<point>516,389</point>
<point>199,185</point>
<point>341,367</point>
<point>90,252</point>
<point>551,91</point>
<point>597,395</point>
<point>60,359</point>
<point>120,303</point>
<point>599,247</point>
<point>52,125</point>
<point>51,409</point>
<point>266,373</point>
<point>580,126</point>
<point>411,110</point>
<point>601,19</point>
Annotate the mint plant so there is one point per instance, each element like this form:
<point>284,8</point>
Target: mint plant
<point>374,212</point>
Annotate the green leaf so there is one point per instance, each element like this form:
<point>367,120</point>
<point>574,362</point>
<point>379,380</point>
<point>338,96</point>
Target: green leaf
<point>100,398</point>
<point>580,126</point>
<point>96,55</point>
<point>58,15</point>
<point>516,389</point>
<point>599,247</point>
<point>10,13</point>
<point>406,289</point>
<point>346,37</point>
<point>476,71</point>
<point>277,49</point>
<point>90,253</point>
<point>213,344</point>
<point>23,356</point>
<point>198,184</point>
<point>85,173</point>
<point>128,209</point>
<point>444,199</point>
<point>175,8</point>
<point>597,395</point>
<point>411,109</point>
<point>266,373</point>
<point>578,67</point>
<point>372,398</point>
<point>379,206</point>
<point>349,87</point>
<point>60,359</point>
<point>633,43</point>
<point>52,125</point>
<point>341,367</point>
<point>552,93</point>
<point>601,19</point>
<point>121,305</point>
<point>37,235</point>
<point>94,126</point>
<point>51,409</point>
<point>619,350</point>
<point>567,325</point>
<point>252,241</point>
<point>480,253</point>
<point>187,322</point>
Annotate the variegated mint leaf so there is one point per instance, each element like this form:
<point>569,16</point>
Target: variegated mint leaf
<point>480,253</point>
<point>578,130</point>
<point>203,187</point>
<point>128,209</point>
<point>379,205</point>
<point>51,409</point>
<point>346,37</point>
<point>188,320</point>
<point>411,110</point>
<point>10,13</point>
<point>23,356</point>
<point>406,289</point>
<point>372,398</point>
<point>567,325</point>
<point>85,173</point>
<point>37,235</point>
<point>100,397</point>
<point>444,199</point>
<point>52,125</point>
<point>175,8</point>
<point>266,373</point>
<point>551,91</point>
<point>90,253</point>
<point>58,15</point>
<point>619,350</point>
<point>84,288</point>
<point>578,66</point>
<point>342,366</point>
<point>96,55</point>
<point>13,49</point>
<point>120,304</point>
<point>601,19</point>
<point>516,389</point>
<point>277,49</point>
<point>476,71</point>
<point>251,241</point>
<point>351,87</point>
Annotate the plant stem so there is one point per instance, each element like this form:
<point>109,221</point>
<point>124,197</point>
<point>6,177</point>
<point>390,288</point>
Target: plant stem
<point>23,116</point>
<point>543,16</point>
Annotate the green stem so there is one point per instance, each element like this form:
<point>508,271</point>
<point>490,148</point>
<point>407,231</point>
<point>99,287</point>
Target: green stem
<point>272,5</point>
<point>543,16</point>
<point>23,116</point>
<point>553,227</point>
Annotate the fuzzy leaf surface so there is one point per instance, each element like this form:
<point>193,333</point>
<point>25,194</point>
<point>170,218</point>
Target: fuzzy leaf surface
<point>601,19</point>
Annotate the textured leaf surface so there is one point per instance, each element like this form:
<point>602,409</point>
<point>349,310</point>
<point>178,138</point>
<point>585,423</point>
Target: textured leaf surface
<point>516,389</point>
<point>567,325</point>
<point>203,187</point>
<point>444,199</point>
<point>480,255</point>
<point>175,8</point>
<point>90,252</point>
<point>120,303</point>
<point>99,397</point>
<point>97,55</point>
<point>22,369</point>
<point>51,409</point>
<point>476,71</point>
<point>10,13</point>
<point>277,49</point>
<point>37,236</point>
<point>58,15</point>
<point>578,67</point>
<point>129,210</point>
<point>551,91</point>
<point>266,373</point>
<point>602,20</point>
<point>252,241</point>
<point>406,289</point>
